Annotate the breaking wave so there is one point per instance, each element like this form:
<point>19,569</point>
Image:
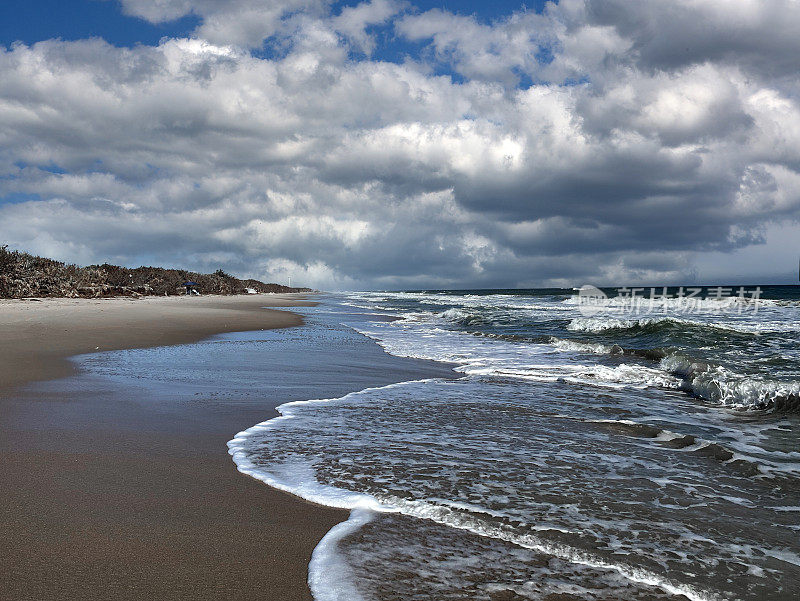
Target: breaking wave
<point>624,454</point>
<point>718,384</point>
<point>707,381</point>
<point>654,325</point>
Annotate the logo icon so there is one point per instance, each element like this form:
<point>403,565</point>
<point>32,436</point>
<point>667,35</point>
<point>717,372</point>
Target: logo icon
<point>591,300</point>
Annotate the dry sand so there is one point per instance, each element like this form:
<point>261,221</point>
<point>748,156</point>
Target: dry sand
<point>96,515</point>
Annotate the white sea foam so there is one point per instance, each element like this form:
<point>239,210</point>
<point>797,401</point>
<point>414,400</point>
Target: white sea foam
<point>716,383</point>
<point>582,347</point>
<point>329,575</point>
<point>604,324</point>
<point>448,517</point>
<point>297,478</point>
<point>492,362</point>
<point>417,335</point>
<point>591,324</point>
<point>484,357</point>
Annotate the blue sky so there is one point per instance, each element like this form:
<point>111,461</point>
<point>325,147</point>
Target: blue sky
<point>32,21</point>
<point>36,20</point>
<point>392,144</point>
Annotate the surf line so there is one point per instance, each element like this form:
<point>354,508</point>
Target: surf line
<point>361,506</point>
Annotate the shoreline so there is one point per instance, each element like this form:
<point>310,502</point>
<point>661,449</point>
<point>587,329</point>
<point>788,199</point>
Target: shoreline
<point>101,515</point>
<point>38,336</point>
<point>122,487</point>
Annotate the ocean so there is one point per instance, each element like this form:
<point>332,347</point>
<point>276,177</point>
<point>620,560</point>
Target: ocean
<point>628,450</point>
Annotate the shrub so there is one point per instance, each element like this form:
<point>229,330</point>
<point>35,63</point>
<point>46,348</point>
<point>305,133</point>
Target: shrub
<point>25,275</point>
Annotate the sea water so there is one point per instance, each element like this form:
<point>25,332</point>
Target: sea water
<point>571,457</point>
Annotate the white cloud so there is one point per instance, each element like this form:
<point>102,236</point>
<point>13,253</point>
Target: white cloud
<point>625,158</point>
<point>237,22</point>
<point>157,11</point>
<point>353,21</point>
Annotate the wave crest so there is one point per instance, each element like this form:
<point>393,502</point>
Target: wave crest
<point>716,383</point>
<point>463,317</point>
<point>654,325</point>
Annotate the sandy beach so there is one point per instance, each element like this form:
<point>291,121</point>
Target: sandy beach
<point>99,514</point>
<point>37,336</point>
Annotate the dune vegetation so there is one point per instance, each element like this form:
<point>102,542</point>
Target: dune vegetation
<point>23,275</point>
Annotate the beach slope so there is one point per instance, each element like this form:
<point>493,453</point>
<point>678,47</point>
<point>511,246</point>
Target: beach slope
<point>127,511</point>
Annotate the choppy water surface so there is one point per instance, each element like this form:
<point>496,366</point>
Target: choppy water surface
<point>600,457</point>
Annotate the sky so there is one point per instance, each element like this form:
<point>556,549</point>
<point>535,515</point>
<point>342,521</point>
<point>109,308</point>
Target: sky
<point>394,144</point>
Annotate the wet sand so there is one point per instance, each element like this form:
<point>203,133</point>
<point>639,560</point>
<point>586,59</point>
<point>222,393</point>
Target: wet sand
<point>106,496</point>
<point>37,336</point>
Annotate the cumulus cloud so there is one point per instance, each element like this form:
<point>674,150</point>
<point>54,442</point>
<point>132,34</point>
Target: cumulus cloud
<point>577,144</point>
<point>240,22</point>
<point>497,52</point>
<point>354,21</point>
<point>758,36</point>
